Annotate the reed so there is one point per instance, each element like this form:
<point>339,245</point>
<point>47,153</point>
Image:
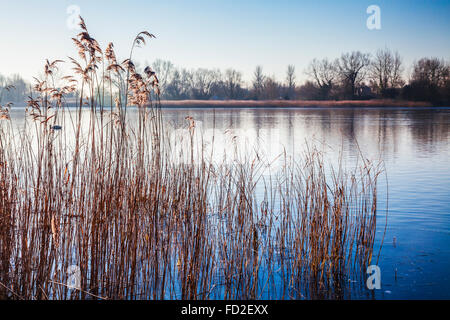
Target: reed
<point>141,218</point>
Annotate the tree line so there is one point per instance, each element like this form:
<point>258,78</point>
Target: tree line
<point>359,75</point>
<point>13,89</point>
<point>353,75</point>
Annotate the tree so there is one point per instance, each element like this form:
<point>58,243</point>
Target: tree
<point>429,81</point>
<point>290,82</point>
<point>13,89</point>
<point>232,83</point>
<point>351,69</point>
<point>431,70</point>
<point>164,71</point>
<point>180,86</point>
<point>173,89</point>
<point>205,82</point>
<point>258,82</point>
<point>4,87</point>
<point>385,71</point>
<point>324,73</point>
<point>271,88</point>
<point>308,91</point>
<point>186,83</point>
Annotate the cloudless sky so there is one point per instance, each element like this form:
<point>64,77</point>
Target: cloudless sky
<point>224,33</point>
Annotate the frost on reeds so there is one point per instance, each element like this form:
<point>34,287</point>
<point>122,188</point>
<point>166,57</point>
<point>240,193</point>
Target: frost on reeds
<point>111,200</point>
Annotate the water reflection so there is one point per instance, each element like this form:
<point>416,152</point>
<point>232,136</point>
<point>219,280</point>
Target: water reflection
<point>414,145</point>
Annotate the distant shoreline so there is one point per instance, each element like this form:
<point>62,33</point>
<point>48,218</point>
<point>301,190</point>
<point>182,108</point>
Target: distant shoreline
<point>378,103</point>
<point>282,104</point>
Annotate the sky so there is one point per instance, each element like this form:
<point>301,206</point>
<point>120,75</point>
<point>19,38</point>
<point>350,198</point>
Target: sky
<point>223,33</point>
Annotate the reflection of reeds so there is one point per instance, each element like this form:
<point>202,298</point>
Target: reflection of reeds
<point>140,224</point>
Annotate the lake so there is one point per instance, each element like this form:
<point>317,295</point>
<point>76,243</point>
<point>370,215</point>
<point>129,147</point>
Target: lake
<point>414,146</point>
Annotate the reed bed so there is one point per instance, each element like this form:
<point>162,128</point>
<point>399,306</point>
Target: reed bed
<point>132,215</point>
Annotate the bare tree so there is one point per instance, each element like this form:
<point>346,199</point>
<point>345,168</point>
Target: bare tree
<point>271,88</point>
<point>173,89</point>
<point>324,74</point>
<point>385,70</point>
<point>164,70</point>
<point>258,82</point>
<point>290,81</point>
<point>180,86</point>
<point>186,83</point>
<point>351,69</point>
<point>430,81</point>
<point>308,91</point>
<point>205,81</point>
<point>431,70</point>
<point>232,83</point>
<point>3,86</point>
<point>396,72</point>
<point>13,88</point>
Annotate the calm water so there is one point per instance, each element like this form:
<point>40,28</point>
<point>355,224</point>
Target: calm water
<point>415,148</point>
<point>414,145</point>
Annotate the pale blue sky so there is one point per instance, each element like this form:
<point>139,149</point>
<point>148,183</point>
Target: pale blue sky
<point>221,34</point>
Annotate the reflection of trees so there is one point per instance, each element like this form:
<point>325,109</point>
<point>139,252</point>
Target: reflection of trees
<point>429,127</point>
<point>377,130</point>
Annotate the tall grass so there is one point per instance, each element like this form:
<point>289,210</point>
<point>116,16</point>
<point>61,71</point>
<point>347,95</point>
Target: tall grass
<point>141,218</point>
